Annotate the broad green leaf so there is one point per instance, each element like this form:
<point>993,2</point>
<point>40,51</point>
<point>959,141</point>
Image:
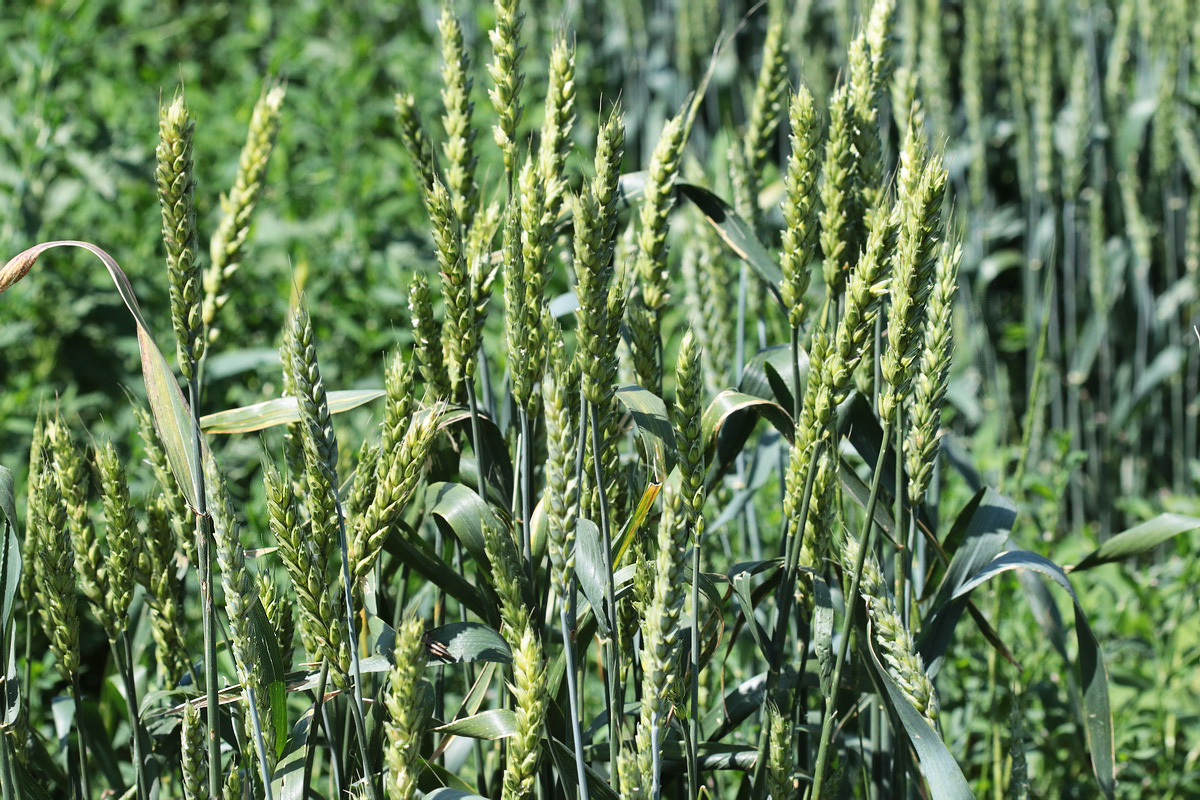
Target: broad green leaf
<point>494,446</point>
<point>461,511</point>
<point>274,675</point>
<point>942,773</point>
<point>742,588</point>
<point>730,418</point>
<point>1097,713</point>
<point>409,548</point>
<point>280,411</point>
<point>736,233</point>
<point>769,375</point>
<point>287,780</point>
<point>649,414</point>
<point>496,723</point>
<point>1138,540</point>
<point>470,641</point>
<point>980,531</point>
<point>172,417</point>
<point>591,568</point>
<point>10,548</point>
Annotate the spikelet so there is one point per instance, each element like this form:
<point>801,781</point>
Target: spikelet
<point>459,147</point>
<point>73,479</point>
<point>893,639</point>
<point>595,228</point>
<point>193,754</point>
<point>163,591</point>
<point>176,196</point>
<point>460,337</point>
<point>657,200</point>
<point>176,505</point>
<point>405,713</point>
<point>556,128</point>
<point>416,141</point>
<point>562,486</point>
<point>225,248</point>
<point>306,568</point>
<point>929,390</point>
<point>400,473</point>
<point>507,78</point>
<point>427,338</point>
<point>689,434</point>
<point>766,106</point>
<point>55,590</point>
<point>780,755</point>
<point>120,535</point>
<point>800,207</point>
<point>279,612</point>
<point>865,292</point>
<point>922,186</point>
<point>839,177</point>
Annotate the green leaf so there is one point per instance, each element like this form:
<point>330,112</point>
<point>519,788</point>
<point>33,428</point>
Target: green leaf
<point>459,510</point>
<point>1097,713</point>
<point>730,418</point>
<point>409,548</point>
<point>10,548</point>
<point>769,375</point>
<point>1138,540</point>
<point>274,673</point>
<point>496,723</point>
<point>470,641</point>
<point>942,773</point>
<point>287,780</point>
<point>499,467</point>
<point>280,411</point>
<point>982,527</point>
<point>591,567</point>
<point>649,414</point>
<point>446,793</point>
<point>172,417</point>
<point>736,233</point>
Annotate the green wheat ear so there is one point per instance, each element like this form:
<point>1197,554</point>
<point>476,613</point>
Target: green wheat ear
<point>176,196</point>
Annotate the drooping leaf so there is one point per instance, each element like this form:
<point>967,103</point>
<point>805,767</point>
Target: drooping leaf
<point>280,411</point>
<point>495,723</point>
<point>649,415</point>
<point>10,548</point>
<point>172,417</point>
<point>1138,540</point>
<point>470,641</point>
<point>461,511</point>
<point>1093,676</point>
<point>591,568</point>
<point>730,418</point>
<point>980,531</point>
<point>287,783</point>
<point>942,773</point>
<point>737,234</point>
<point>274,675</point>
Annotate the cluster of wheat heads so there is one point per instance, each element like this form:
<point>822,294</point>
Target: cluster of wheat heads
<point>561,583</point>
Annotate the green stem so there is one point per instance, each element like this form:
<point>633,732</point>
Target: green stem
<point>318,717</point>
<point>81,740</point>
<point>259,745</point>
<point>865,542</point>
<point>694,717</point>
<point>204,555</point>
<point>573,700</point>
<point>356,705</point>
<point>124,654</point>
<point>616,704</point>
<point>475,441</point>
